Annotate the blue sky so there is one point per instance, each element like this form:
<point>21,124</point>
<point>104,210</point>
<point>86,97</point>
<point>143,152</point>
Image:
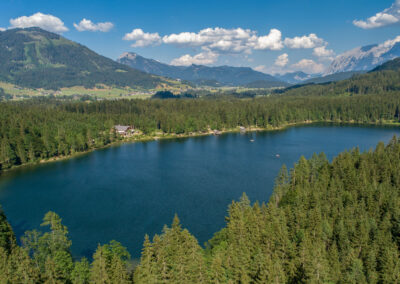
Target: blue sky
<point>270,36</point>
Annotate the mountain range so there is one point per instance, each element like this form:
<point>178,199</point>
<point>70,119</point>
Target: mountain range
<point>344,66</point>
<point>200,74</point>
<point>36,58</point>
<point>365,58</point>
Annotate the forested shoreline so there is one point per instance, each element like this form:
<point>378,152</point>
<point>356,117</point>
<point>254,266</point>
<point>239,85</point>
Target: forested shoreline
<point>42,129</point>
<point>326,222</point>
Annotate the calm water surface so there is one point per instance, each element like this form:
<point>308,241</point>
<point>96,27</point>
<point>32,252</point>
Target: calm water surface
<point>124,192</point>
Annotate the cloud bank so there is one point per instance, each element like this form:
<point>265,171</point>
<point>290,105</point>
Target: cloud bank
<point>217,40</point>
<point>211,43</point>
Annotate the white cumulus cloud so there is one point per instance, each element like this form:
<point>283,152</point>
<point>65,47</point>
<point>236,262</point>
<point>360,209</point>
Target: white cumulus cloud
<point>272,41</point>
<point>222,40</point>
<point>384,47</point>
<point>387,17</point>
<point>142,39</point>
<point>2,29</point>
<point>88,25</point>
<point>310,41</point>
<point>260,68</point>
<point>46,22</point>
<point>184,39</point>
<point>204,58</point>
<point>282,60</point>
<point>308,66</point>
<point>323,52</point>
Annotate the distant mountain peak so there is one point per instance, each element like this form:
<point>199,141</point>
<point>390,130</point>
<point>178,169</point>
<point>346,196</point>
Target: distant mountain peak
<point>366,58</point>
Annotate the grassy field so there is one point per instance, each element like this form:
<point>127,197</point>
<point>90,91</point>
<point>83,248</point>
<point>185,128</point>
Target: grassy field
<point>109,92</point>
<point>100,91</point>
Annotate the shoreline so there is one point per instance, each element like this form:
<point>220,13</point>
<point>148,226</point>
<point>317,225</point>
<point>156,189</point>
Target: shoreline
<point>167,136</point>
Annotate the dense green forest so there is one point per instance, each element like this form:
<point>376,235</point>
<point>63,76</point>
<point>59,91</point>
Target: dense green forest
<point>326,222</point>
<point>34,130</point>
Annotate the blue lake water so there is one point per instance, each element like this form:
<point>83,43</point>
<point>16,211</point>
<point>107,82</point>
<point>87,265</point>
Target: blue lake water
<point>124,192</point>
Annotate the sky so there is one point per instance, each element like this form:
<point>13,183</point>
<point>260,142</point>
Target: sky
<point>268,36</point>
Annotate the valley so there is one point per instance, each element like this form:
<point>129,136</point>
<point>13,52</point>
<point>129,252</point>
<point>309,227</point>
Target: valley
<point>214,142</point>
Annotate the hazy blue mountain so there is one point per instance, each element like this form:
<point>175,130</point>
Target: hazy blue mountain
<point>36,58</point>
<point>294,77</point>
<point>365,58</point>
<point>333,77</point>
<point>224,75</point>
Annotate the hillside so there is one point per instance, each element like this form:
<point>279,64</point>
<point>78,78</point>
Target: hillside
<point>393,65</point>
<point>36,58</point>
<point>224,75</point>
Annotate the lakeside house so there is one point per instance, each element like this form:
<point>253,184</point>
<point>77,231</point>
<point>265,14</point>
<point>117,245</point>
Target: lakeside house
<point>124,130</point>
<point>217,132</point>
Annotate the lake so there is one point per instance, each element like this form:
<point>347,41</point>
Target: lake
<point>124,192</point>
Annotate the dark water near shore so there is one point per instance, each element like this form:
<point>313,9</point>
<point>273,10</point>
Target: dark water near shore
<point>124,192</point>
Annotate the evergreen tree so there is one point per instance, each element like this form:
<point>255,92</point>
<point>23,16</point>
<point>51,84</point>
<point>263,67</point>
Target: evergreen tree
<point>99,270</point>
<point>81,272</point>
<point>7,237</point>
